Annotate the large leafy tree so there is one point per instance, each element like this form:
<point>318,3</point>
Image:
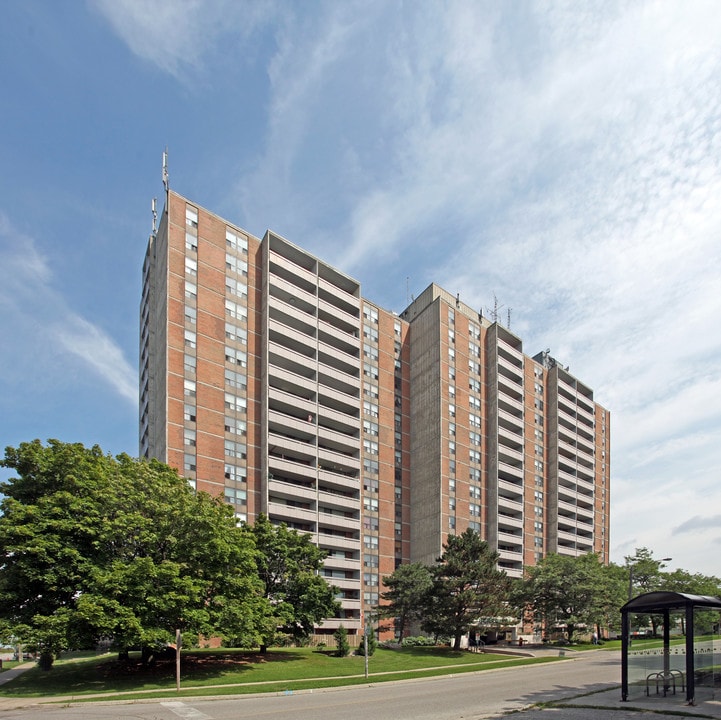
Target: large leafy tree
<point>288,565</point>
<point>93,546</point>
<point>404,599</point>
<point>466,586</point>
<point>567,590</point>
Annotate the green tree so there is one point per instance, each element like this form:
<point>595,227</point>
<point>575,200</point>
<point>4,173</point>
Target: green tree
<point>407,589</point>
<point>645,574</point>
<point>93,546</point>
<point>566,590</point>
<point>466,586</point>
<point>288,565</point>
<point>342,648</point>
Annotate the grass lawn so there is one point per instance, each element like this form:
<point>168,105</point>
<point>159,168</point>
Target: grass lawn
<point>236,671</point>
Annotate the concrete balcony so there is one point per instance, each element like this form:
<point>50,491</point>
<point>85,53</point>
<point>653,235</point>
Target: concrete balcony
<point>290,293</point>
<point>290,491</point>
<point>510,491</point>
<point>339,502</point>
<point>287,513</point>
<point>338,440</point>
<point>509,521</point>
<point>337,297</point>
<point>334,542</point>
<point>347,319</point>
<point>511,556</point>
<point>512,422</point>
<point>511,351</point>
<point>292,339</point>
<point>342,563</point>
<point>509,456</point>
<point>288,468</point>
<point>347,342</point>
<point>302,429</point>
<point>330,459</point>
<point>285,402</point>
<point>336,480</point>
<point>291,383</point>
<point>508,470</point>
<point>513,372</point>
<point>337,522</point>
<point>291,268</point>
<point>286,447</point>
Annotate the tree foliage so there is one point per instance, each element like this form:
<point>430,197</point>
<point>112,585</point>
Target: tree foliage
<point>288,565</point>
<point>466,586</point>
<point>406,594</point>
<point>570,591</point>
<point>94,547</point>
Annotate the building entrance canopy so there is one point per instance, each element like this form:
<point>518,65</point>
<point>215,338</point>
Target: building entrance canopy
<point>663,603</point>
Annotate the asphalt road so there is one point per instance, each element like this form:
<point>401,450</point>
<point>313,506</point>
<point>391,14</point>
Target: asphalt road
<point>469,696</point>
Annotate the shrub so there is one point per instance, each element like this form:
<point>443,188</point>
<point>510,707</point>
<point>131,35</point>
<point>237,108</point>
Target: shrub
<point>372,645</point>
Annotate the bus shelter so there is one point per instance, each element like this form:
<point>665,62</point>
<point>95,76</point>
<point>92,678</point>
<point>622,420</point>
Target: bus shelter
<point>665,676</point>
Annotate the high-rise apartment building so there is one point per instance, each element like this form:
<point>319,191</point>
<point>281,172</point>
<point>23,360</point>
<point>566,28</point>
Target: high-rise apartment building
<point>266,377</point>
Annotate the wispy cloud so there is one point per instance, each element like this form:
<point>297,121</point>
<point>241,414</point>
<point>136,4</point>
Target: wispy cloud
<point>566,157</point>
<point>39,325</point>
<point>178,35</point>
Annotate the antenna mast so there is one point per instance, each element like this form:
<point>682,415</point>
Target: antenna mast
<point>166,184</point>
<point>155,215</point>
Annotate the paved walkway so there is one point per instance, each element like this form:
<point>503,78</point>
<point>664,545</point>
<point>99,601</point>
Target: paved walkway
<point>580,707</point>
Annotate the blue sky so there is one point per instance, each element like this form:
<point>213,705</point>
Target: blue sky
<point>562,156</point>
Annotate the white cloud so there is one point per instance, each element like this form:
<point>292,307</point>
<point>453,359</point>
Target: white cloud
<point>37,322</point>
<point>177,35</point>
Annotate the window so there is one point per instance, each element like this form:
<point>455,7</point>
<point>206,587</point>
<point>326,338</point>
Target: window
<point>370,578</point>
<point>236,334</point>
<point>236,265</point>
<point>370,352</point>
<point>474,402</point>
<point>538,496</point>
<point>538,527</point>
<point>370,598</point>
<point>451,372</point>
<point>474,350</point>
<point>370,390</point>
<point>452,504</point>
<point>474,385</point>
<point>538,464</point>
<point>475,526</point>
<point>474,420</point>
<point>370,560</point>
<point>370,428</point>
<point>396,327</point>
<point>189,462</point>
<point>370,447</point>
<point>474,331</point>
<point>189,388</point>
<point>370,313</point>
<point>451,429</point>
<point>191,216</point>
<point>474,438</point>
<point>235,241</point>
<point>370,466</point>
<point>451,391</point>
<point>189,413</point>
<point>451,336</point>
<point>370,541</point>
<point>189,364</point>
<point>236,497</point>
<point>235,449</point>
<point>451,522</point>
<point>474,510</point>
<point>190,339</point>
<point>474,491</point>
<point>370,504</point>
<point>370,371</point>
<point>370,408</point>
<point>189,437</point>
<point>474,367</point>
<point>474,475</point>
<point>191,315</point>
<point>236,357</point>
<point>191,290</point>
<point>370,332</point>
<point>236,287</point>
<point>451,447</point>
<point>235,403</point>
<point>451,316</point>
<point>474,456</point>
<point>451,354</point>
<point>191,266</point>
<point>451,485</point>
<point>191,242</point>
<point>235,426</point>
<point>236,310</point>
<point>235,379</point>
<point>451,410</point>
<point>236,474</point>
<point>370,484</point>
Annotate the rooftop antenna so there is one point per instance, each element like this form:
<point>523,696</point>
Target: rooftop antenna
<point>496,308</point>
<point>508,325</point>
<point>155,215</point>
<point>165,169</point>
